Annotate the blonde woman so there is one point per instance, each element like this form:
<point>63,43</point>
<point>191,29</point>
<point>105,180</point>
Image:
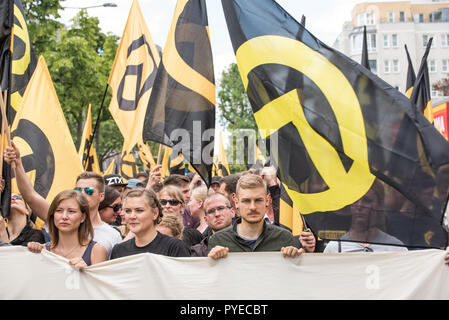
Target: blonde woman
<point>71,231</point>
<point>142,214</point>
<point>172,201</point>
<point>196,206</point>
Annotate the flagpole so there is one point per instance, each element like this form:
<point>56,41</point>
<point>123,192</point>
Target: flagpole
<point>97,123</point>
<point>159,154</point>
<point>5,126</point>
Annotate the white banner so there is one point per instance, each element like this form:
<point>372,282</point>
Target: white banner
<point>241,276</point>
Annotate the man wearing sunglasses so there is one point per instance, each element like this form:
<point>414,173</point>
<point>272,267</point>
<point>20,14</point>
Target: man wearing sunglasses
<point>90,184</point>
<point>219,214</point>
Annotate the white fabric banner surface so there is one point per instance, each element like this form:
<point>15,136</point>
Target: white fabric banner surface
<point>241,276</point>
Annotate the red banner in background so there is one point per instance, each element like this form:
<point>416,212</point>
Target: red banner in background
<point>441,118</point>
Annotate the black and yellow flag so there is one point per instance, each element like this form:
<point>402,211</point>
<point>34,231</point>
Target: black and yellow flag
<point>89,158</point>
<point>181,111</point>
<point>411,76</point>
<point>41,133</point>
<point>145,155</point>
<point>132,77</point>
<point>23,60</point>
<point>421,88</point>
<point>334,145</point>
<point>128,166</point>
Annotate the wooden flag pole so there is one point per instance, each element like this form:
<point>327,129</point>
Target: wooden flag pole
<point>159,155</point>
<point>5,124</point>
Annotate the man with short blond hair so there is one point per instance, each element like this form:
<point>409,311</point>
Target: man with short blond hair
<point>250,232</point>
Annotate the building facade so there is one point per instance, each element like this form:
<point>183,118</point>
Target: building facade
<point>390,26</point>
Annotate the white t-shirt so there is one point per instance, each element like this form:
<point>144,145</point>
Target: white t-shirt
<point>107,236</point>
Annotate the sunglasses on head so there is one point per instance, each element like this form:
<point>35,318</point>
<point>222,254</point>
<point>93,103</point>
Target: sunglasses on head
<point>172,202</point>
<point>116,207</point>
<point>89,190</point>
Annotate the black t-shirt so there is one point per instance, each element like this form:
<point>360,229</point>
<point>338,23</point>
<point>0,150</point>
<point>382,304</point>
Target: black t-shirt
<point>162,244</point>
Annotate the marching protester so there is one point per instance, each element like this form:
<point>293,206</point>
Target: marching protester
<point>110,209</point>
<point>364,232</point>
<point>170,226</point>
<point>196,206</point>
<point>143,212</point>
<point>228,186</point>
<point>71,231</point>
<point>116,182</point>
<point>219,214</point>
<point>172,202</point>
<point>250,232</point>
<point>186,186</point>
<point>18,229</point>
<point>92,186</point>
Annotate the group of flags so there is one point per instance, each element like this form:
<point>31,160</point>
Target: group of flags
<point>341,131</point>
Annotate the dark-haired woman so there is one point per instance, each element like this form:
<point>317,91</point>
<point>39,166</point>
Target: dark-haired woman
<point>71,231</point>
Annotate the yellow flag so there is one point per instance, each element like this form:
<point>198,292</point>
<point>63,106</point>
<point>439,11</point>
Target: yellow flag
<point>110,169</point>
<point>128,167</point>
<point>145,155</point>
<point>91,163</point>
<point>132,77</point>
<point>41,133</point>
<point>165,170</point>
<point>222,164</point>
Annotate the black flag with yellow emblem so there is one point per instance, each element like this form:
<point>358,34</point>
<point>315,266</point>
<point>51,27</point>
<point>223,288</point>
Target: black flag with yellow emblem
<point>181,110</point>
<point>335,127</point>
<point>411,76</point>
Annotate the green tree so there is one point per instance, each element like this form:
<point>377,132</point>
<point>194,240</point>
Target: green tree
<point>235,113</point>
<point>42,23</point>
<point>233,104</point>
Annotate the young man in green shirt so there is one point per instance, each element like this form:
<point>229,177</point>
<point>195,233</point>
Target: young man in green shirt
<point>250,233</point>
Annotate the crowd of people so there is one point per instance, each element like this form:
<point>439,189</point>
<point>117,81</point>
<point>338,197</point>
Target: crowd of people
<point>105,218</point>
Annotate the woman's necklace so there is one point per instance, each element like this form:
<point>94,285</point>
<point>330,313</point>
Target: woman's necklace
<point>73,249</point>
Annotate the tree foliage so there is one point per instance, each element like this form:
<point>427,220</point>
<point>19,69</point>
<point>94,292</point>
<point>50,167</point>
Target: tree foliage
<point>233,104</point>
<point>442,86</point>
<point>79,57</point>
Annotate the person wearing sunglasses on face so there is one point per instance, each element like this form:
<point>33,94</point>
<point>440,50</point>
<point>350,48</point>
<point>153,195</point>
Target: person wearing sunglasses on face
<point>71,231</point>
<point>90,184</point>
<point>17,229</point>
<point>143,213</point>
<point>172,201</point>
<point>111,207</point>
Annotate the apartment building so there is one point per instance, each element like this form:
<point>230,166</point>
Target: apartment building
<point>390,26</point>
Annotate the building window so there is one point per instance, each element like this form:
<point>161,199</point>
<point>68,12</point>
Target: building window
<point>421,18</point>
<point>357,42</point>
<point>432,66</point>
<point>386,66</point>
<point>394,40</point>
<point>445,40</point>
<point>386,41</point>
<point>395,66</point>
<point>372,43</point>
<point>373,66</point>
<point>445,65</point>
<point>390,17</point>
<point>366,18</point>
<point>426,38</point>
<point>370,18</point>
<point>433,93</point>
<point>401,16</point>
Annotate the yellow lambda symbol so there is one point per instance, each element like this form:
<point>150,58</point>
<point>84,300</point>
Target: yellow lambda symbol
<point>345,188</point>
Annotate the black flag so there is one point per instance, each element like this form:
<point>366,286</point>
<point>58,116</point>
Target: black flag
<point>365,57</point>
<point>411,76</point>
<point>335,146</point>
<point>181,110</point>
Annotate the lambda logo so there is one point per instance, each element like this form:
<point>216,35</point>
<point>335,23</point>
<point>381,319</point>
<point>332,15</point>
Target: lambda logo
<point>344,187</point>
<point>40,149</point>
<point>131,89</point>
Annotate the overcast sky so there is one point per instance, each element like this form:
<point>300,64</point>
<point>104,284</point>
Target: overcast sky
<point>324,18</point>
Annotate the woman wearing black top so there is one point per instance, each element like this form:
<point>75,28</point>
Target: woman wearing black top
<point>19,230</point>
<point>142,213</point>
